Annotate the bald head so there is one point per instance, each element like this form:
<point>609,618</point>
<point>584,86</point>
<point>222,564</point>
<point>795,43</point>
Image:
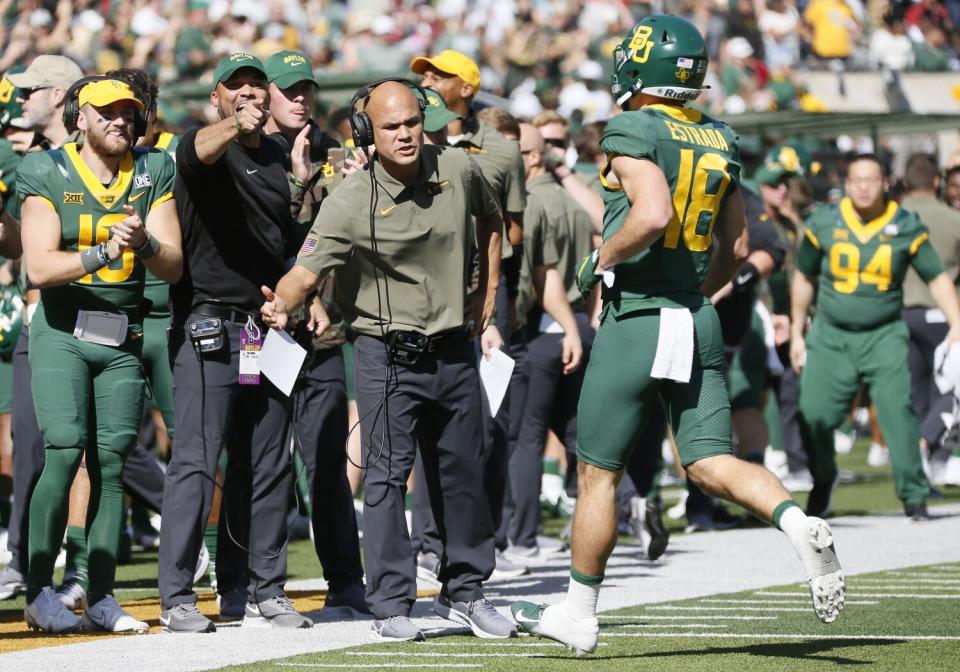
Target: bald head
<point>397,127</point>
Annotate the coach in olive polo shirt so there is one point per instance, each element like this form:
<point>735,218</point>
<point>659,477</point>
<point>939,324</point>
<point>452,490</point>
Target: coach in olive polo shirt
<point>402,260</point>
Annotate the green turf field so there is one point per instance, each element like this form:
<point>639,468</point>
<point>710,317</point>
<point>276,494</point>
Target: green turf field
<point>769,629</point>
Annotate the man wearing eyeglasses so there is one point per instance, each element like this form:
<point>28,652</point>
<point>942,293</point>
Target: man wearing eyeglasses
<point>858,252</point>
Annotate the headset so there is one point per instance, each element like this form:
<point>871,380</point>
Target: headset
<point>360,125</point>
<point>71,105</point>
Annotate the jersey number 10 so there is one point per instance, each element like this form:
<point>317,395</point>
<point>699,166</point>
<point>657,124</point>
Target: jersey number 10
<point>692,185</point>
<point>90,236</point>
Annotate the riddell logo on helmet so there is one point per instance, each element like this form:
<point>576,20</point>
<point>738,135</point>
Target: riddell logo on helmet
<point>680,94</point>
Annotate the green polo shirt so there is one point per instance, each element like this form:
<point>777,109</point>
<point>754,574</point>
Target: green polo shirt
<point>571,227</point>
<point>414,275</point>
<point>539,249</point>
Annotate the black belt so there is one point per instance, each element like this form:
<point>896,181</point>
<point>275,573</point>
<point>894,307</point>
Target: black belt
<point>225,313</point>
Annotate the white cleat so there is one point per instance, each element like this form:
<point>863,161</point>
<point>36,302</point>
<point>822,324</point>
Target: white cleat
<point>819,558</point>
<point>552,622</point>
<point>879,455</point>
<point>72,594</point>
<point>951,472</point>
<point>47,613</point>
<point>843,442</point>
<point>107,616</point>
<point>203,562</point>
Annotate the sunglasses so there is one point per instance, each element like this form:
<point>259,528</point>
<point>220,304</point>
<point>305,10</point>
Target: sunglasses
<point>26,93</point>
<point>556,142</point>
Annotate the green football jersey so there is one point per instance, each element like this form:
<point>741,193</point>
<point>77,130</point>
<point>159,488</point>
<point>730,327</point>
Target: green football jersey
<point>156,291</point>
<point>700,158</point>
<point>861,265</point>
<point>87,210</point>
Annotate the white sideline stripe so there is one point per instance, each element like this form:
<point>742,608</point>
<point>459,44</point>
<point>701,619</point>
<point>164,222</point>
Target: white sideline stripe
<point>668,607</point>
<point>687,618</point>
<point>949,583</point>
<point>860,602</point>
<point>859,594</point>
<point>400,654</point>
<point>785,635</point>
<point>917,575</point>
<point>672,625</point>
<point>946,590</point>
<point>378,666</point>
<point>945,568</point>
<point>486,643</point>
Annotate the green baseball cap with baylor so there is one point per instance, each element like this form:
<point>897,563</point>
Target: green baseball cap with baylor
<point>286,68</point>
<point>230,64</point>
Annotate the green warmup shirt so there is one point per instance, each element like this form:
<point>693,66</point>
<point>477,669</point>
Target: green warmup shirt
<point>862,264</point>
<point>416,278</point>
<point>87,210</point>
<point>700,158</point>
<point>539,249</point>
<point>570,225</point>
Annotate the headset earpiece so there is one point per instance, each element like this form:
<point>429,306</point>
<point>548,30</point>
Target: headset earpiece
<point>71,106</point>
<point>361,128</point>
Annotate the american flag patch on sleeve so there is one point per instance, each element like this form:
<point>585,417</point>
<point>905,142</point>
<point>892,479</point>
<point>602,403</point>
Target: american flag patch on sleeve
<point>309,245</point>
<point>684,62</point>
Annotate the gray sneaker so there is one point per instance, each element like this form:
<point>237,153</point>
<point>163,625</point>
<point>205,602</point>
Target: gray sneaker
<point>277,612</point>
<point>12,583</point>
<point>428,567</point>
<point>396,629</point>
<point>481,616</point>
<point>506,569</point>
<point>353,596</point>
<point>185,618</point>
<point>233,605</point>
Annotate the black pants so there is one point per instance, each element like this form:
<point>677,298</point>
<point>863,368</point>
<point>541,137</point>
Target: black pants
<point>787,389</point>
<point>433,406</point>
<point>550,403</point>
<point>925,336</point>
<point>142,475</point>
<point>320,424</point>
<point>496,437</point>
<point>28,455</point>
<point>214,411</point>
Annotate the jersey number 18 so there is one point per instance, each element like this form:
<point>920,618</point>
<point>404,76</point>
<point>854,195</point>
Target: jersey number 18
<point>692,186</point>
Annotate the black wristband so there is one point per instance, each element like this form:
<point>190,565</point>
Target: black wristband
<point>747,276</point>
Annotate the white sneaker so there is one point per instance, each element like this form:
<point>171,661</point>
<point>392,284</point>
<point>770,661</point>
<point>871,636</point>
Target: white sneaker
<point>203,562</point>
<point>819,559</point>
<point>679,510</point>
<point>47,613</point>
<point>5,555</point>
<point>776,462</point>
<point>798,481</point>
<point>107,616</point>
<point>71,593</point>
<point>552,621</point>
<point>879,456</point>
<point>61,560</point>
<point>842,442</point>
<point>951,472</point>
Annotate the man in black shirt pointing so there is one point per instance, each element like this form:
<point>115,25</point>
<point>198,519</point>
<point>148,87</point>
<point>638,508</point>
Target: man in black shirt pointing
<point>234,205</point>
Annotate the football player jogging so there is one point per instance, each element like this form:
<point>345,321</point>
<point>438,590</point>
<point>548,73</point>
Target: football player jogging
<point>861,250</point>
<point>97,215</point>
<point>670,189</point>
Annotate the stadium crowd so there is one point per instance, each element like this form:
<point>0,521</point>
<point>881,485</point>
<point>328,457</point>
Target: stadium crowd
<point>309,195</point>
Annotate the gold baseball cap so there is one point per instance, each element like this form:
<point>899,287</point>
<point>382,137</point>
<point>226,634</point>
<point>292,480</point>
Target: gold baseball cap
<point>107,91</point>
<point>451,62</point>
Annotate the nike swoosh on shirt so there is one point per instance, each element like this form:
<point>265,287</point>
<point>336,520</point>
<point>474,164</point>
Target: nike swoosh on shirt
<point>251,172</point>
<point>386,211</point>
<point>131,199</point>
